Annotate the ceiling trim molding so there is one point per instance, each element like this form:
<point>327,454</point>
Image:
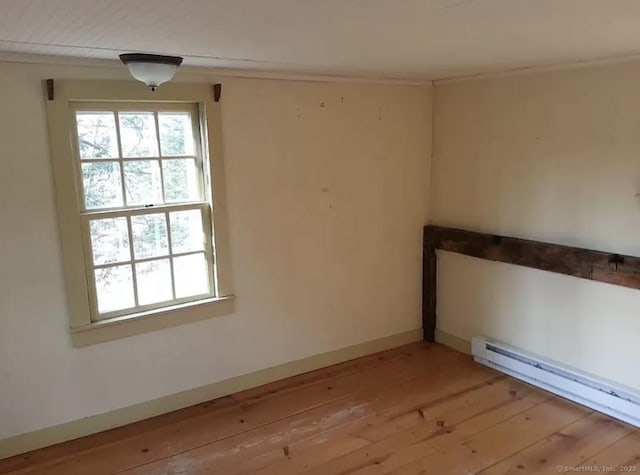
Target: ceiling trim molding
<point>539,69</point>
<point>9,57</point>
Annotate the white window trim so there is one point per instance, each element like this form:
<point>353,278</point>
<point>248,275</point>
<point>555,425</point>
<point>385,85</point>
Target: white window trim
<point>83,330</point>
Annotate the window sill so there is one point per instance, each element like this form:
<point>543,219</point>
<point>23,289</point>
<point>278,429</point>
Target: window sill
<point>144,322</point>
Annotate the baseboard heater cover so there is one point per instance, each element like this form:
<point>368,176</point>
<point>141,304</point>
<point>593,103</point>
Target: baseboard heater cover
<point>603,396</point>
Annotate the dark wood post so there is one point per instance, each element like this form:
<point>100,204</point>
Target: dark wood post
<point>589,264</point>
<point>429,284</point>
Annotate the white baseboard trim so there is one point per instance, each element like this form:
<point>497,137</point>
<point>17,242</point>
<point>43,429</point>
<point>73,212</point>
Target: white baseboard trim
<point>452,341</point>
<point>119,417</point>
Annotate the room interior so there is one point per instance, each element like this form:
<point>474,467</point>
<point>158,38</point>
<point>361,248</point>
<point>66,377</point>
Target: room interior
<point>400,197</point>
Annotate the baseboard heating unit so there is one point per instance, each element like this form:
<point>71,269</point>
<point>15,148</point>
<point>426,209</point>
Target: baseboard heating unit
<point>621,403</point>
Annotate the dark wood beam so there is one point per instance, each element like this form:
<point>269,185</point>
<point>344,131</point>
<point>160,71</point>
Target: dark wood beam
<point>429,278</point>
<point>589,264</point>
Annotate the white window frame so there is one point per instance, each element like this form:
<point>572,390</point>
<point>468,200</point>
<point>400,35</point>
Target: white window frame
<point>127,210</point>
<point>77,95</point>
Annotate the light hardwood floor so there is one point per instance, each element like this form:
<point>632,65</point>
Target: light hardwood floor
<point>419,409</point>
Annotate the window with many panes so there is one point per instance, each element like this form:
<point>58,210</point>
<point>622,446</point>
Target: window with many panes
<point>140,195</point>
<point>145,217</point>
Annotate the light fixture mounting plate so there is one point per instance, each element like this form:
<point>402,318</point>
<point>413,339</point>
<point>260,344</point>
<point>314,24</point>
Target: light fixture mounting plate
<point>127,58</point>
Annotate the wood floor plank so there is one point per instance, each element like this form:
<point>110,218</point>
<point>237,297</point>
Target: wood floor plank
<point>570,447</point>
<point>310,455</point>
<point>377,360</point>
<point>624,455</point>
<point>486,447</point>
<point>231,457</point>
<point>419,409</point>
<point>259,446</point>
<point>165,441</point>
<point>416,404</point>
<point>60,452</point>
<point>313,451</point>
<point>36,461</point>
<point>455,419</point>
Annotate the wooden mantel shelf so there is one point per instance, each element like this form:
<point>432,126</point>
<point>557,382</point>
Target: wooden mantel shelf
<point>589,264</point>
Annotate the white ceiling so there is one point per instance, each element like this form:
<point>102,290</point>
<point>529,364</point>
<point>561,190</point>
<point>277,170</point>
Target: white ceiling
<point>412,39</point>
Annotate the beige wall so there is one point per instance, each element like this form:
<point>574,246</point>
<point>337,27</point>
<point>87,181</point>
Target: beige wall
<point>328,188</point>
<point>554,157</point>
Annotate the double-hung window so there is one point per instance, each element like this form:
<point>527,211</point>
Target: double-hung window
<point>142,181</point>
<point>143,206</point>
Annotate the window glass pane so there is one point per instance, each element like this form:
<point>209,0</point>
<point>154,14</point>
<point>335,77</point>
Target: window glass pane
<point>154,281</point>
<point>97,135</point>
<point>109,240</point>
<point>186,231</point>
<point>191,275</point>
<point>181,181</point>
<point>114,286</point>
<point>176,133</point>
<point>142,182</point>
<point>138,134</point>
<point>149,235</point>
<point>102,185</point>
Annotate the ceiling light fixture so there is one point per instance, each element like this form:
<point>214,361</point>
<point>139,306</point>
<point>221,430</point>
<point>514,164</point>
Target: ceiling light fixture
<point>151,69</point>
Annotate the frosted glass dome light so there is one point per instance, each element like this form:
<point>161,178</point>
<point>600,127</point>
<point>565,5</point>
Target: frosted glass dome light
<point>151,69</point>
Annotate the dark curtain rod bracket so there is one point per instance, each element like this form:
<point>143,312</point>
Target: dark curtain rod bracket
<point>50,89</point>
